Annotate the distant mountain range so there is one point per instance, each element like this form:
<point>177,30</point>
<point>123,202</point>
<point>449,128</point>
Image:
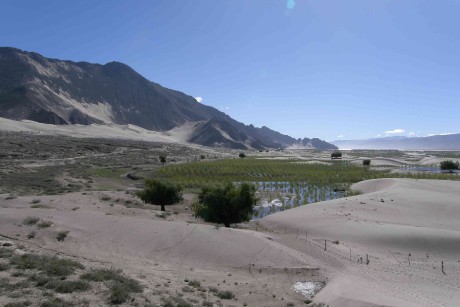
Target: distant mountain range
<point>435,142</point>
<point>61,92</point>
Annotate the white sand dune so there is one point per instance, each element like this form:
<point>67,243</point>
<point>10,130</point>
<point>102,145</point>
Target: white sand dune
<point>419,217</point>
<point>394,218</point>
<point>111,131</point>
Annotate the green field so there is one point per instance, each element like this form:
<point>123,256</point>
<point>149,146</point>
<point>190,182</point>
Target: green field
<point>340,174</point>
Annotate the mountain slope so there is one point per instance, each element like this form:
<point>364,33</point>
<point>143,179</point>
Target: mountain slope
<point>64,92</point>
<point>435,142</point>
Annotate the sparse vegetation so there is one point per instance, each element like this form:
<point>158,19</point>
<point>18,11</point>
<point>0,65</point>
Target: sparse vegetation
<point>162,159</point>
<point>61,235</point>
<point>19,304</point>
<point>67,286</point>
<point>225,295</point>
<point>56,302</point>
<point>31,235</point>
<point>44,224</point>
<point>40,206</point>
<point>105,198</point>
<point>51,266</point>
<point>176,301</point>
<point>121,286</point>
<point>30,220</point>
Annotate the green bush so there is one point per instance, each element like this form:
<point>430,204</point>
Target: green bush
<point>449,165</point>
<point>336,155</point>
<point>226,205</point>
<point>242,155</point>
<point>160,193</point>
<point>366,162</point>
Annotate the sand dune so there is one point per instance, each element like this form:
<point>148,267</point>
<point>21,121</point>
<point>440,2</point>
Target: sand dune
<point>394,218</point>
<point>419,217</point>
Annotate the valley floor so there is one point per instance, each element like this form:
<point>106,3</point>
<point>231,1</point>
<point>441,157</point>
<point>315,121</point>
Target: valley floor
<point>396,244</point>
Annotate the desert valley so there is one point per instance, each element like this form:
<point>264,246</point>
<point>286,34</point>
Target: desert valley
<point>393,242</point>
<point>229,153</point>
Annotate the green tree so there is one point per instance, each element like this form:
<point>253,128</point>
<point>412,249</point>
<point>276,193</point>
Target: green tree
<point>367,162</point>
<point>226,205</point>
<point>161,193</point>
<point>162,159</point>
<point>242,155</point>
<point>449,165</point>
<point>336,155</point>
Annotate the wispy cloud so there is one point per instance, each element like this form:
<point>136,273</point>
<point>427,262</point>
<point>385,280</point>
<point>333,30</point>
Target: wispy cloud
<point>411,133</point>
<point>199,99</point>
<point>290,4</point>
<point>340,136</point>
<point>396,131</point>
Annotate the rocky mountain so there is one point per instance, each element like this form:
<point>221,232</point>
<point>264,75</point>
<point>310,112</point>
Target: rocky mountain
<point>61,92</point>
<point>314,143</point>
<point>435,142</point>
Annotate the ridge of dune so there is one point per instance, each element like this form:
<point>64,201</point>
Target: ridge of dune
<point>396,222</point>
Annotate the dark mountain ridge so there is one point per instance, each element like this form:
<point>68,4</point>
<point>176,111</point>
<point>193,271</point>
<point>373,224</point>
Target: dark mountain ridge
<point>64,92</point>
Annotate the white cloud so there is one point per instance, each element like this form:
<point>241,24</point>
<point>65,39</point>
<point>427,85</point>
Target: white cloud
<point>378,135</point>
<point>227,108</point>
<point>340,136</point>
<point>199,99</point>
<point>396,131</point>
<point>411,133</point>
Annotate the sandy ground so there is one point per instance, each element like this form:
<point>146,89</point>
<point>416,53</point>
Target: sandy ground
<point>394,218</point>
<point>129,132</point>
<point>260,264</point>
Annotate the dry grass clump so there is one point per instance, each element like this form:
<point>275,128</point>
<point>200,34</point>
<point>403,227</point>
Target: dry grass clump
<point>30,220</point>
<point>61,235</point>
<point>44,224</point>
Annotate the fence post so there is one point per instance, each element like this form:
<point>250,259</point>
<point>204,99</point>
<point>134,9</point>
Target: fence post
<point>324,244</point>
<point>442,267</point>
<point>297,235</point>
<point>367,259</point>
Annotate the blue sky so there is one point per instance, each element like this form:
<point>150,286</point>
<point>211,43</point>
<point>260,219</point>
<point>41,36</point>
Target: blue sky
<point>329,69</point>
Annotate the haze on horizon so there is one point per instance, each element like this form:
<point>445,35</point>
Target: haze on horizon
<point>337,69</point>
